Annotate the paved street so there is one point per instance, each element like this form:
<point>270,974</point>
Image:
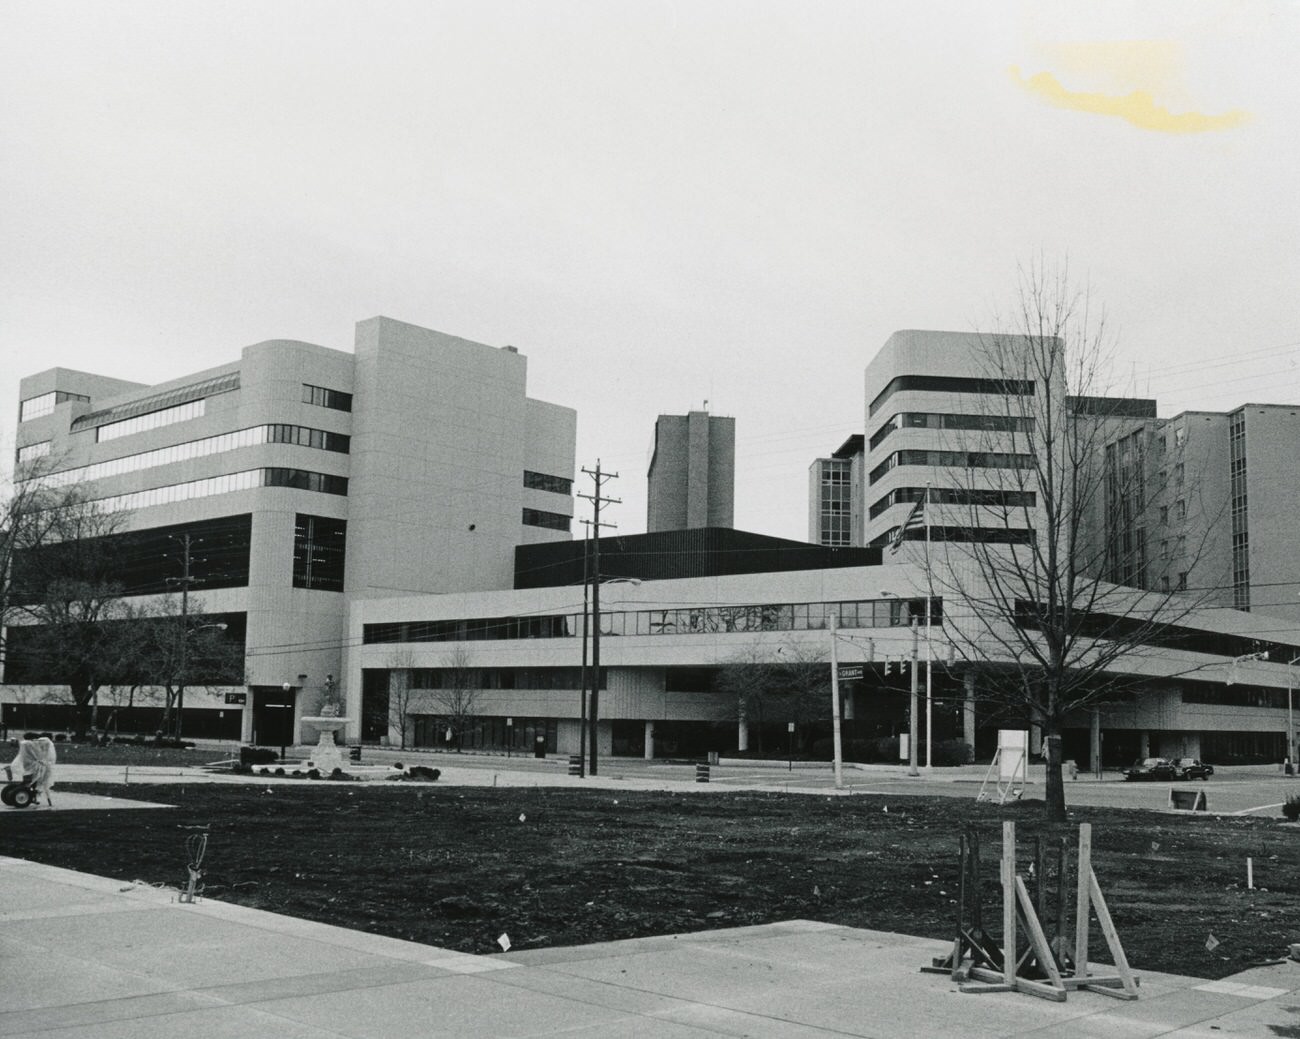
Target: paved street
<point>1232,790</point>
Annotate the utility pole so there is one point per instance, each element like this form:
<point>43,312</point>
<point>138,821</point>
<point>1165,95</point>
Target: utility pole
<point>582,695</point>
<point>186,541</point>
<point>597,499</point>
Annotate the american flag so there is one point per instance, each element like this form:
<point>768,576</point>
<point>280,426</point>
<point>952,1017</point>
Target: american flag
<point>915,519</point>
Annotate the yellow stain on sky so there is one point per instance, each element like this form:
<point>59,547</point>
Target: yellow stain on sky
<point>1130,73</point>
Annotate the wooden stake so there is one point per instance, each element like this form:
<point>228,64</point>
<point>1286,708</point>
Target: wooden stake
<point>1008,903</point>
<point>1081,902</point>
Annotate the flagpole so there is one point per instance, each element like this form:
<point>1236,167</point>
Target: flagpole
<point>929,665</point>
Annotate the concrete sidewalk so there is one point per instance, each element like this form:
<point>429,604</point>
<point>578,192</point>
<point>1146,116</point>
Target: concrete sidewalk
<point>89,957</point>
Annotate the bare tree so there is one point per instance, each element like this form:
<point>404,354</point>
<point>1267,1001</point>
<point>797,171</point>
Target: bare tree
<point>173,649</point>
<point>401,695</point>
<point>27,522</point>
<point>456,698</point>
<point>788,684</point>
<point>62,586</point>
<point>1055,489</point>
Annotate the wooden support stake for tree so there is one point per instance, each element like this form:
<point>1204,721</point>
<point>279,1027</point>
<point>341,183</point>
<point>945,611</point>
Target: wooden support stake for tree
<point>1091,898</point>
<point>1008,903</point>
<point>1081,902</point>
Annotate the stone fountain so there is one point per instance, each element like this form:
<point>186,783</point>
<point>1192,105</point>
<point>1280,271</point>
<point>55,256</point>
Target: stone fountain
<point>326,756</point>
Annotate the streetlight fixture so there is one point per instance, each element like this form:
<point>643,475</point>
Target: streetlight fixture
<point>1290,689</point>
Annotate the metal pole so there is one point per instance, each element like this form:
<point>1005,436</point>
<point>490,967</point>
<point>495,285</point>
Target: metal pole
<point>595,622</point>
<point>929,678</point>
<point>929,688</point>
<point>911,714</point>
<point>582,693</point>
<point>832,619</point>
<point>1290,716</point>
<point>185,638</point>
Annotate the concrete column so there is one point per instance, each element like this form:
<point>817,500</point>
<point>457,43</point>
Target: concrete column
<point>1144,744</point>
<point>968,709</point>
<point>649,741</point>
<point>742,734</point>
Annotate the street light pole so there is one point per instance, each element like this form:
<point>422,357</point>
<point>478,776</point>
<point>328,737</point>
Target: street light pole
<point>911,714</point>
<point>185,580</point>
<point>1290,717</point>
<point>582,694</point>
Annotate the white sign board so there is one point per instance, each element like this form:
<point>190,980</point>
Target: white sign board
<point>903,739</point>
<point>1013,745</point>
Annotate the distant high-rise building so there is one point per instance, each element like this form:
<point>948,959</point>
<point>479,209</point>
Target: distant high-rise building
<point>835,496</point>
<point>692,479</point>
<point>1225,498</point>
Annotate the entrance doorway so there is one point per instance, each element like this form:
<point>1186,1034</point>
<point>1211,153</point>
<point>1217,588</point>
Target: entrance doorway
<point>273,710</point>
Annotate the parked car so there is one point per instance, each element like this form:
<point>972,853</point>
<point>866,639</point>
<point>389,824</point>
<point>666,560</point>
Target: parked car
<point>1191,768</point>
<point>1151,768</point>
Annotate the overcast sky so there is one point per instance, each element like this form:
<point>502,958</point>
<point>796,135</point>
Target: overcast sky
<point>658,203</point>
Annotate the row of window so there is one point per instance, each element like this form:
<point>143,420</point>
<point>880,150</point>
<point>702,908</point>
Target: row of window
<point>1233,695</point>
<point>990,499</point>
<point>959,535</point>
<point>31,452</point>
<point>151,420</point>
<point>866,613</point>
<point>142,562</point>
<point>928,420</point>
<point>1030,615</point>
<point>275,433</point>
<point>545,482</point>
<point>300,479</point>
<point>39,407</point>
<point>951,384</point>
<point>324,397</point>
<point>960,459</point>
<point>499,677</point>
<point>549,520</point>
<point>156,402</point>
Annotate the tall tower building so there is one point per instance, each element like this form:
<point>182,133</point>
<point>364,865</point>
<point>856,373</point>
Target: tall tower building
<point>835,496</point>
<point>1225,498</point>
<point>692,472</point>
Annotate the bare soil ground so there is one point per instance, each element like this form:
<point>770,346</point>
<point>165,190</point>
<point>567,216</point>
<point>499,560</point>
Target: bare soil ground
<point>458,867</point>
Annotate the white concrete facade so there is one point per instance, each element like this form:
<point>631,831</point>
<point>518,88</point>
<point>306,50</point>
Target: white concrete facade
<point>1171,710</point>
<point>438,463</point>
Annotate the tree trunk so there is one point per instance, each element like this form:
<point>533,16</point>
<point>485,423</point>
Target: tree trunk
<point>1055,794</point>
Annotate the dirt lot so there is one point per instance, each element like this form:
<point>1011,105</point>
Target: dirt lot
<point>458,867</point>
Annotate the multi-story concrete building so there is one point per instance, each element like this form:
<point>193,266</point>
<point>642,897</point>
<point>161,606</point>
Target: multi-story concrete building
<point>835,492</point>
<point>302,478</point>
<point>941,413</point>
<point>689,605</point>
<point>1224,493</point>
<point>692,479</point>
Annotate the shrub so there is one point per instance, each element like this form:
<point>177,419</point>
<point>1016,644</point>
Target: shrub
<point>1291,807</point>
<point>257,756</point>
<point>953,752</point>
